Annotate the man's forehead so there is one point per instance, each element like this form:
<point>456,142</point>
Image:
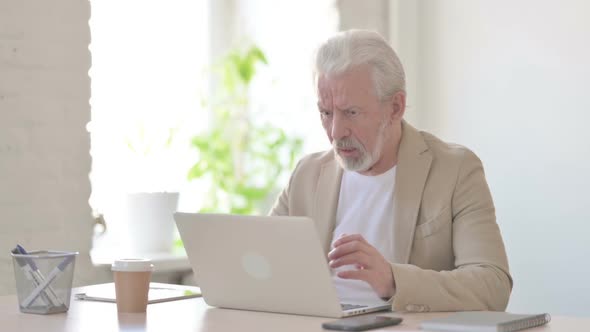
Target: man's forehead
<point>327,96</point>
<point>330,86</point>
<point>340,88</point>
<point>325,92</point>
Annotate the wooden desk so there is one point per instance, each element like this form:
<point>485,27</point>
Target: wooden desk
<point>195,315</point>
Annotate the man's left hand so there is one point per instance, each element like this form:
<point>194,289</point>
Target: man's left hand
<point>372,267</point>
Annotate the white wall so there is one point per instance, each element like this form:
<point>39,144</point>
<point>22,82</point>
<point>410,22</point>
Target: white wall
<point>44,144</point>
<point>510,80</point>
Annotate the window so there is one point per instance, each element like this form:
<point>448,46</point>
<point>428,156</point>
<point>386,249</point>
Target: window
<point>148,76</point>
<point>150,65</point>
<point>289,32</point>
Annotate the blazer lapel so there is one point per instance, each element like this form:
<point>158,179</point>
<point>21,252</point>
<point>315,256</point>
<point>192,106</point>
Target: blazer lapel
<point>412,170</point>
<point>326,201</point>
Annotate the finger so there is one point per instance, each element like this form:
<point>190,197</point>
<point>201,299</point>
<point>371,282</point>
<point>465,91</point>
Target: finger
<point>349,248</point>
<point>364,275</point>
<point>357,258</point>
<point>348,238</point>
<point>339,237</point>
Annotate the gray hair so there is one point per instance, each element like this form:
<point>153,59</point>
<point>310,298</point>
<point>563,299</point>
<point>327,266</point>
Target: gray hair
<point>352,48</point>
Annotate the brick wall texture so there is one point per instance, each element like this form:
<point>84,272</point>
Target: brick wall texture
<point>44,144</point>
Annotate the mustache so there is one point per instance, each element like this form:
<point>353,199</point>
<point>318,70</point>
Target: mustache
<point>346,143</point>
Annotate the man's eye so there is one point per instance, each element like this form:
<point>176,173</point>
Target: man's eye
<point>325,114</point>
<point>352,113</point>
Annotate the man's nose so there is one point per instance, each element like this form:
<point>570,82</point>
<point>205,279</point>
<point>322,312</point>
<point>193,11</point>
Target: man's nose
<point>339,127</point>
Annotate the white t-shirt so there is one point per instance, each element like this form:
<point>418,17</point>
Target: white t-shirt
<point>365,207</point>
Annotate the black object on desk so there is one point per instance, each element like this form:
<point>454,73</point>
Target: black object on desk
<point>361,323</point>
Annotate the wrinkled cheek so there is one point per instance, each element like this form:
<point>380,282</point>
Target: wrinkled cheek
<point>328,129</point>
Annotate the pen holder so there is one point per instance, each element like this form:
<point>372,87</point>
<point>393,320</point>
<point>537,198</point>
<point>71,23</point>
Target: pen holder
<point>44,280</point>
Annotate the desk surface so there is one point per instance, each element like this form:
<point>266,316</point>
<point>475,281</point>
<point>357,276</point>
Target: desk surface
<point>195,315</point>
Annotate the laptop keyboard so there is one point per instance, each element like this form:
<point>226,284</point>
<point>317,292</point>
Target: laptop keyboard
<point>346,306</point>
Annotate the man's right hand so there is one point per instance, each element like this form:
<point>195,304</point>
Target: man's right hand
<point>371,266</point>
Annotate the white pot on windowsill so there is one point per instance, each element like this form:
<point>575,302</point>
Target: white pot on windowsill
<point>150,222</point>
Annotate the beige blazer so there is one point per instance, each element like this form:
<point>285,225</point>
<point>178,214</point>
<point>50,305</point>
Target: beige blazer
<point>448,250</point>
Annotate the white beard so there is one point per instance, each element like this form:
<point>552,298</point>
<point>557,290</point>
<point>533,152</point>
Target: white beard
<point>365,160</point>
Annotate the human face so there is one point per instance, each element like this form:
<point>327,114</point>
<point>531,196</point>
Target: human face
<point>357,123</point>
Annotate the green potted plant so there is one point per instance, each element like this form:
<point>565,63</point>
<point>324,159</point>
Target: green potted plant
<point>241,158</point>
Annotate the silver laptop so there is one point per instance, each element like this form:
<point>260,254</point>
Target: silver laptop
<point>262,263</point>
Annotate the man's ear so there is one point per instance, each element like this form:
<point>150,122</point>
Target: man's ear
<point>398,106</point>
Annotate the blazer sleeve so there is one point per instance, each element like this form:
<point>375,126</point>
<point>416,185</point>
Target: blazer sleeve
<point>480,279</point>
<point>281,205</point>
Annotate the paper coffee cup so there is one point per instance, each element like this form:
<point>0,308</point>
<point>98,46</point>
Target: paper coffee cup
<point>132,283</point>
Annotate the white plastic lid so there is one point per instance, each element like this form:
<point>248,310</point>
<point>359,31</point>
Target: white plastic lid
<point>132,265</point>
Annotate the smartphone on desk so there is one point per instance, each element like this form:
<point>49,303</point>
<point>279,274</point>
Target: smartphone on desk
<point>361,323</point>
